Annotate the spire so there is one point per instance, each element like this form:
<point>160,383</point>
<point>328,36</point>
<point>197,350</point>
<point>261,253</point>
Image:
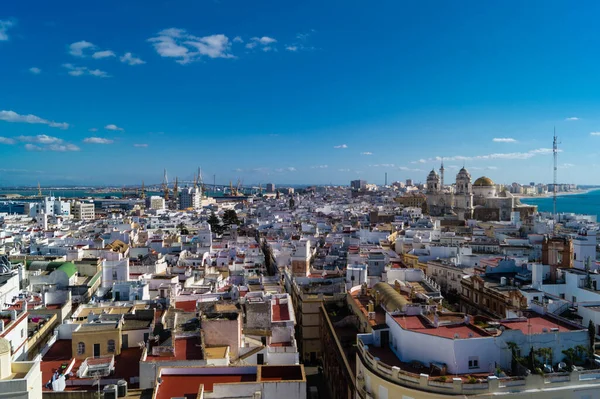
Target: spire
<point>442,174</point>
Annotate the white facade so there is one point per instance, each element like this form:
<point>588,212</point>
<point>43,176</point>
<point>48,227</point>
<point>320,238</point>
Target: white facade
<point>584,249</point>
<point>114,271</point>
<point>190,197</point>
<point>50,206</point>
<point>83,210</point>
<point>155,202</point>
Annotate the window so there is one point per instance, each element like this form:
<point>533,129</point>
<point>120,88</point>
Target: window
<point>111,346</point>
<point>473,362</point>
<point>80,348</point>
<point>562,296</point>
<point>22,332</point>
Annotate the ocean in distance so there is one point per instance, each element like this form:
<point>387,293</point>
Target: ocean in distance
<point>585,203</point>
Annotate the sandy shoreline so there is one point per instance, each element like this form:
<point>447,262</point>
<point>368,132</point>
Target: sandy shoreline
<point>560,194</point>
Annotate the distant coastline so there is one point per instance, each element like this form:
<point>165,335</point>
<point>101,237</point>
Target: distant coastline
<point>559,194</point>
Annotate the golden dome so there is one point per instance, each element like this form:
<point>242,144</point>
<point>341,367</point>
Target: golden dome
<point>483,182</point>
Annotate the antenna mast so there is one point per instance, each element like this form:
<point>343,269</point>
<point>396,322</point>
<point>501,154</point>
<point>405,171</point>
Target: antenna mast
<point>555,154</point>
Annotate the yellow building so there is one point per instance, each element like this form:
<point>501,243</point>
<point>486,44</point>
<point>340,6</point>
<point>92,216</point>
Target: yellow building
<point>95,340</point>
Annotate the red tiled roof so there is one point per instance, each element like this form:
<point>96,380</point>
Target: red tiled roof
<point>281,311</point>
<point>417,324</point>
<point>187,306</point>
<point>185,349</point>
<point>188,385</point>
<point>536,325</point>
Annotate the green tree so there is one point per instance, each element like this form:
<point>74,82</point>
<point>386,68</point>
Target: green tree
<point>182,229</point>
<point>230,217</point>
<point>215,224</point>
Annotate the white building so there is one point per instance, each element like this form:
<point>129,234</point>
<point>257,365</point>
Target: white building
<point>584,249</point>
<point>190,197</point>
<point>83,210</point>
<point>155,202</point>
<point>49,206</point>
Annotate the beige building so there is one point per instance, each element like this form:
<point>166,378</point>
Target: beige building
<point>83,210</point>
<point>95,340</point>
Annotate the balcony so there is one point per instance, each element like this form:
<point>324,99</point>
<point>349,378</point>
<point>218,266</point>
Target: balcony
<point>383,363</point>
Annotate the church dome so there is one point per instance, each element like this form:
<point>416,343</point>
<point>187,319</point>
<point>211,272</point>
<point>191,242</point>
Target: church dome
<point>432,174</point>
<point>463,173</point>
<point>483,181</point>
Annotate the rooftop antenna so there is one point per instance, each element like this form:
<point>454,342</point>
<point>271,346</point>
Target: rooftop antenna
<point>555,154</point>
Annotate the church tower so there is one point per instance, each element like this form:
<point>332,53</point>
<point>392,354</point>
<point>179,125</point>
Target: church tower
<point>433,182</point>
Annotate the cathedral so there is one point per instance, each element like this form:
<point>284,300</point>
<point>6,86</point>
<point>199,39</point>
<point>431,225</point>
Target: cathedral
<point>442,201</point>
<point>480,200</point>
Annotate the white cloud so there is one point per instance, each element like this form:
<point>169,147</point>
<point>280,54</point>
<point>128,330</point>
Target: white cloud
<point>4,26</point>
<point>344,170</point>
<point>566,166</point>
<point>113,127</point>
<point>93,129</point>
<point>63,147</point>
<point>35,70</point>
<point>141,145</point>
<point>572,118</point>
<point>12,116</point>
<point>40,139</point>
<point>511,155</point>
<point>52,147</point>
<point>33,147</point>
<point>97,140</point>
<point>98,73</point>
<point>128,58</point>
<point>77,49</point>
<point>238,39</point>
<point>407,169</point>
<point>185,48</point>
<point>301,42</point>
<point>595,134</point>
<point>366,153</point>
<point>6,140</point>
<point>340,146</point>
<point>291,169</point>
<point>492,168</point>
<point>504,140</point>
<point>103,54</point>
<point>319,167</point>
<point>383,165</point>
<point>75,70</point>
<point>264,42</point>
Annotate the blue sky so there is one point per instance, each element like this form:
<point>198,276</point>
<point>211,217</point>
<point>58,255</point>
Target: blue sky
<point>113,92</point>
